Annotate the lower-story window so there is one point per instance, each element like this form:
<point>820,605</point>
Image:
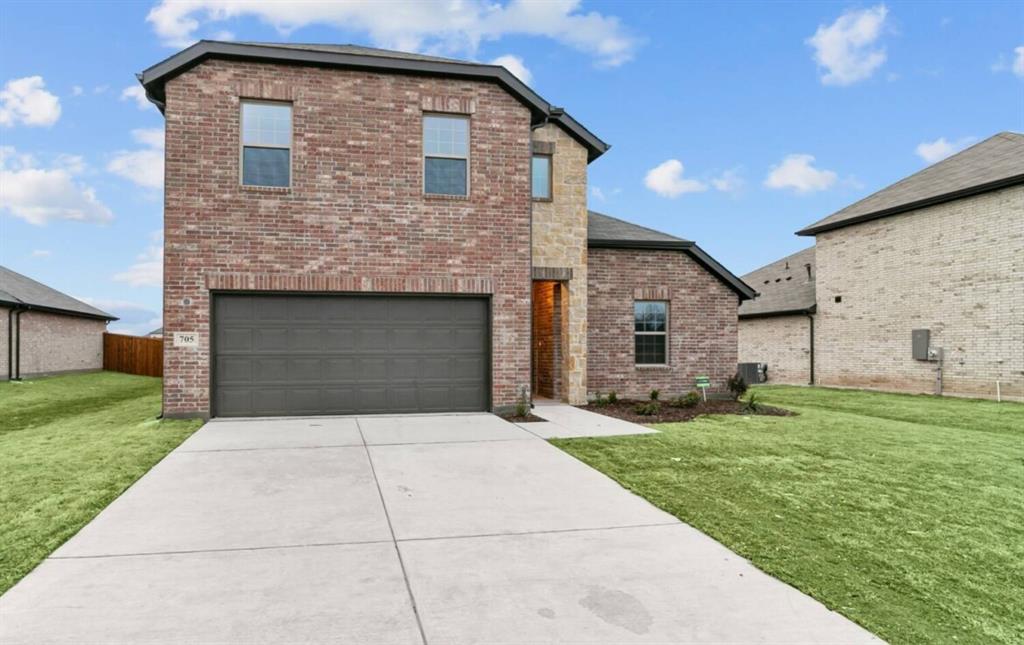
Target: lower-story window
<point>650,332</point>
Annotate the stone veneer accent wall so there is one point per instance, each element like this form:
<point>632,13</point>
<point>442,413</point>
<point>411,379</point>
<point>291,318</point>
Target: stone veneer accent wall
<point>781,342</point>
<point>702,322</point>
<point>54,343</point>
<point>355,217</point>
<point>560,240</point>
<point>955,268</point>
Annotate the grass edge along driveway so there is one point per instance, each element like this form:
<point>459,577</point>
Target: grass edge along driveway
<point>69,445</point>
<point>904,513</point>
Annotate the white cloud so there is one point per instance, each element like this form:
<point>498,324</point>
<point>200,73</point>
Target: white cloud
<point>932,151</point>
<point>100,89</point>
<point>1018,61</point>
<point>729,181</point>
<point>666,179</point>
<point>144,167</point>
<point>845,49</point>
<point>26,101</point>
<point>138,94</point>
<point>437,25</point>
<point>597,194</point>
<point>41,253</point>
<point>39,195</point>
<point>148,270</point>
<point>77,90</point>
<point>515,65</point>
<point>796,172</point>
<point>133,318</point>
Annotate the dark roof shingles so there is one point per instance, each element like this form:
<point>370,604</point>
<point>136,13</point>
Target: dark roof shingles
<point>19,289</point>
<point>604,228</point>
<point>784,286</point>
<point>996,159</point>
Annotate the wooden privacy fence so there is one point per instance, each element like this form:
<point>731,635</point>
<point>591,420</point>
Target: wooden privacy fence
<point>133,354</point>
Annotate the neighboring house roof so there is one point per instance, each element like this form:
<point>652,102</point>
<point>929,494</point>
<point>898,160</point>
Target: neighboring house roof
<point>605,231</point>
<point>996,162</point>
<point>366,58</point>
<point>21,291</point>
<point>159,331</point>
<point>783,287</point>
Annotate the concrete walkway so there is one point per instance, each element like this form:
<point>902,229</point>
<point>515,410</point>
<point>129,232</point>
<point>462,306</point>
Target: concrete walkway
<point>563,421</point>
<point>417,529</point>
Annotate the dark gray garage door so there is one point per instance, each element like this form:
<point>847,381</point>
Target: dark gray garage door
<point>296,355</point>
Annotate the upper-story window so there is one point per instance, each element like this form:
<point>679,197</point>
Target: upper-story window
<point>445,155</point>
<point>266,144</point>
<point>540,170</point>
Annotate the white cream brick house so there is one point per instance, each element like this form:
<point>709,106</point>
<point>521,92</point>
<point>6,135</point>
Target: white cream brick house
<point>941,250</point>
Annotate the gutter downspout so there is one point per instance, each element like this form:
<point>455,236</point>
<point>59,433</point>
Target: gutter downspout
<point>810,320</point>
<point>10,343</point>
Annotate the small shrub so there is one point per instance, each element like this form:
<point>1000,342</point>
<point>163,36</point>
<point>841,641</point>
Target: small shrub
<point>688,400</point>
<point>737,386</point>
<point>523,404</point>
<point>601,400</point>
<point>648,409</point>
<point>752,405</point>
<point>655,394</point>
<point>613,397</point>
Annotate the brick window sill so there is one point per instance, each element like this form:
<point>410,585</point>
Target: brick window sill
<point>273,190</point>
<point>445,198</point>
<point>652,367</point>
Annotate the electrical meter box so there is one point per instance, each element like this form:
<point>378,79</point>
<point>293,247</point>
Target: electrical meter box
<point>919,340</point>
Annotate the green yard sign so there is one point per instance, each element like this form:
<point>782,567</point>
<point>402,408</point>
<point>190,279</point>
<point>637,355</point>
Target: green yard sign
<point>703,383</point>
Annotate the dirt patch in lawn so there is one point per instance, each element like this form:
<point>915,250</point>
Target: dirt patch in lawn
<point>626,410</point>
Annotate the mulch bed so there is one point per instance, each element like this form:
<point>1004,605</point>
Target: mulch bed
<point>529,418</point>
<point>623,409</point>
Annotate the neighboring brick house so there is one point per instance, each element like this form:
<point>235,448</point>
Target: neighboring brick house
<point>942,251</point>
<point>356,230</point>
<point>44,332</point>
<point>777,327</point>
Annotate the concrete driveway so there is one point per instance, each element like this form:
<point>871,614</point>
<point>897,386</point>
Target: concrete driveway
<point>414,529</point>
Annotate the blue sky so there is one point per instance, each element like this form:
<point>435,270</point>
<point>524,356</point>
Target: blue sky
<point>733,124</point>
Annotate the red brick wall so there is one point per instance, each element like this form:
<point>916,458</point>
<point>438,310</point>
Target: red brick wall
<point>702,313</point>
<point>355,218</point>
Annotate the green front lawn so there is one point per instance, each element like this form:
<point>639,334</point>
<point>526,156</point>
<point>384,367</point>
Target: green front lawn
<point>69,445</point>
<point>904,513</point>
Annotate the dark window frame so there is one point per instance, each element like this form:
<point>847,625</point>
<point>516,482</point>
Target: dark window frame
<point>663,333</point>
<point>425,155</point>
<point>551,177</point>
<point>242,145</point>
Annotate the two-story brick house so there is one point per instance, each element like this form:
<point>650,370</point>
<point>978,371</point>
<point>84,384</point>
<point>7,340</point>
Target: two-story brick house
<point>352,230</point>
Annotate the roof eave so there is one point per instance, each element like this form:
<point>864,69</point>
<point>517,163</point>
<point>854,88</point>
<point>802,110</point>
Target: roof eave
<point>153,78</point>
<point>780,312</point>
<point>56,310</point>
<point>742,289</point>
<point>1006,182</point>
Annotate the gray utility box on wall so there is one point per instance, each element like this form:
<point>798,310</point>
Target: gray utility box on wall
<point>920,339</point>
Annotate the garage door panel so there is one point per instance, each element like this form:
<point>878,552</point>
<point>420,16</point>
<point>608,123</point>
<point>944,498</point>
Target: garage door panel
<point>270,339</point>
<point>302,355</point>
<point>468,339</point>
<point>305,339</point>
<point>234,370</point>
<point>273,370</point>
<point>373,340</point>
<point>339,339</point>
<point>270,308</point>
